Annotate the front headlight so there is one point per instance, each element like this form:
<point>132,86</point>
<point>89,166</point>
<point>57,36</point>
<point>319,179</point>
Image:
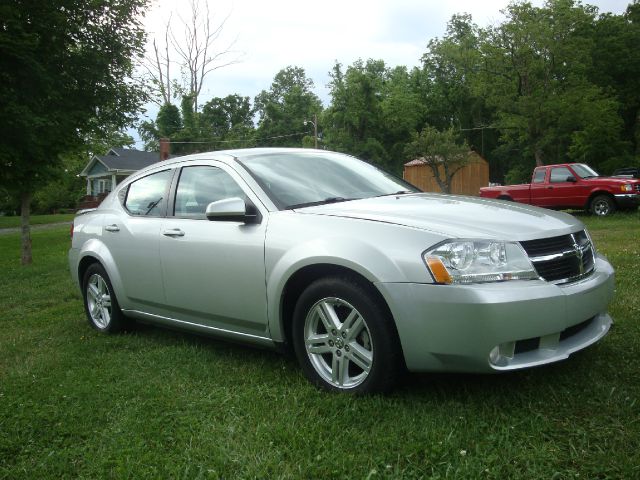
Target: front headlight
<point>627,187</point>
<point>476,261</point>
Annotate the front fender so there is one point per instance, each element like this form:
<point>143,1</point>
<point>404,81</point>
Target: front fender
<point>354,255</point>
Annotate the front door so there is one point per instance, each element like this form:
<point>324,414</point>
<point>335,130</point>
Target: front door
<point>213,271</point>
<point>563,193</point>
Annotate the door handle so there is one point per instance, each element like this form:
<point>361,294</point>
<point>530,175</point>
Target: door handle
<point>112,228</point>
<point>549,188</point>
<point>173,232</point>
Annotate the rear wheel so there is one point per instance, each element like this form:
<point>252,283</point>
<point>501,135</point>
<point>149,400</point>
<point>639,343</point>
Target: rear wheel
<point>100,302</point>
<point>602,205</point>
<point>344,338</point>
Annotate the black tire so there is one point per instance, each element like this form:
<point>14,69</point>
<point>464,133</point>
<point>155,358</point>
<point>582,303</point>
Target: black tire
<point>100,302</point>
<point>602,205</point>
<point>358,351</point>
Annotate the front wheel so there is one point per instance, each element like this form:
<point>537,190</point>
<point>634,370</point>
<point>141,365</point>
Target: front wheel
<point>602,205</point>
<point>100,302</point>
<point>344,339</point>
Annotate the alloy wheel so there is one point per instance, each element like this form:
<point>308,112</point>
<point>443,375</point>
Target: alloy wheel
<point>338,343</point>
<point>99,301</point>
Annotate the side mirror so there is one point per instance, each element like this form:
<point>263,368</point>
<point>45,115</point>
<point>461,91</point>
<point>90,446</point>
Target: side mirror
<point>571,179</point>
<point>233,209</point>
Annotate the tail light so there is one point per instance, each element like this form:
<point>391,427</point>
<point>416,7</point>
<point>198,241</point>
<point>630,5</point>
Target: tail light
<point>71,231</point>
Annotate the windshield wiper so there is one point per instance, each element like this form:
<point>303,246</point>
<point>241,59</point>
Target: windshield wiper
<point>318,202</point>
<point>152,205</point>
<point>400,192</point>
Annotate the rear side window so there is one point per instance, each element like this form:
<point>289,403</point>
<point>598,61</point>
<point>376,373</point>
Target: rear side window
<point>148,196</point>
<point>538,176</point>
<point>199,186</point>
<point>560,174</point>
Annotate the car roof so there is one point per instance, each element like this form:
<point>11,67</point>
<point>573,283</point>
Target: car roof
<point>228,156</point>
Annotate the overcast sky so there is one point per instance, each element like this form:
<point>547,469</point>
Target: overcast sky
<point>270,35</point>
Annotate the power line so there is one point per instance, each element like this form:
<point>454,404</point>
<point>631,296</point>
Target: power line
<point>241,140</point>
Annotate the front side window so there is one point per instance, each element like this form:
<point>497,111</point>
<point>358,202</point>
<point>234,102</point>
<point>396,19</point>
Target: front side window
<point>199,186</point>
<point>147,196</point>
<point>560,174</point>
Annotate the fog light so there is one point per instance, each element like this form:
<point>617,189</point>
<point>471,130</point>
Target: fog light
<point>502,354</point>
<point>494,355</point>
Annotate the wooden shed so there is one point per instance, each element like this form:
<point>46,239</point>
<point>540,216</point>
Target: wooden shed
<point>466,181</point>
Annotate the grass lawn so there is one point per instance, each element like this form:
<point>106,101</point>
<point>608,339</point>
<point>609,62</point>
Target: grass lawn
<point>12,222</point>
<point>156,403</point>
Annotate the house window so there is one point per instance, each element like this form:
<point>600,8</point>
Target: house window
<point>103,186</point>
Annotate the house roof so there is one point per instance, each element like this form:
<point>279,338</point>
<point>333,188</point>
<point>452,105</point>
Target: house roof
<point>128,159</point>
<point>123,159</point>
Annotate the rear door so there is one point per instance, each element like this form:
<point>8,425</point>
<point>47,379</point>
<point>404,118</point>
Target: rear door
<point>132,234</point>
<point>213,271</point>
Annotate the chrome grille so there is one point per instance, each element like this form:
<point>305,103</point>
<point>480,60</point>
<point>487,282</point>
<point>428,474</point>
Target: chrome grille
<point>562,259</point>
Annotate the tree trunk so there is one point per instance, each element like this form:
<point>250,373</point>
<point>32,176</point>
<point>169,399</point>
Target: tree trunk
<point>538,155</point>
<point>25,210</point>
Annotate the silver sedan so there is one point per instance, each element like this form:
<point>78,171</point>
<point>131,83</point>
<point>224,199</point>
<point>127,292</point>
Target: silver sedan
<point>359,272</point>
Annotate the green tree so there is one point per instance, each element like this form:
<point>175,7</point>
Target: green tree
<point>373,112</point>
<point>441,151</point>
<point>228,120</point>
<point>354,120</point>
<point>447,82</point>
<point>616,68</point>
<point>64,70</point>
<point>283,108</point>
<point>534,73</point>
<point>168,120</point>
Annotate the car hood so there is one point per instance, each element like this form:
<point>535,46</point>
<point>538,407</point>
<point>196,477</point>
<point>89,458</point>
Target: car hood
<point>611,180</point>
<point>455,216</point>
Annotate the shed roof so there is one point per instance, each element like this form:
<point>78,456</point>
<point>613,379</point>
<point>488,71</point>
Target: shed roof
<point>422,161</point>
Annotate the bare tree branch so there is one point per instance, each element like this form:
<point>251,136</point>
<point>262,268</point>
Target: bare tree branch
<point>197,50</point>
<point>194,44</point>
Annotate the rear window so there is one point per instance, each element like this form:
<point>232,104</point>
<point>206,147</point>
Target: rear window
<point>538,175</point>
<point>148,195</point>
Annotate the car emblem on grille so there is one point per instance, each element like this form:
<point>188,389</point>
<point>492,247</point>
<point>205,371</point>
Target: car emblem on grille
<point>578,250</point>
<point>579,254</point>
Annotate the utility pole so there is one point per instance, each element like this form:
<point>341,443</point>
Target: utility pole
<point>315,129</point>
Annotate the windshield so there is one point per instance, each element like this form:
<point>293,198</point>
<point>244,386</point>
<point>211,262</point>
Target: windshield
<point>584,171</point>
<point>300,179</point>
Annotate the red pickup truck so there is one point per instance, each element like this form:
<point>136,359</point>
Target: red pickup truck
<point>571,185</point>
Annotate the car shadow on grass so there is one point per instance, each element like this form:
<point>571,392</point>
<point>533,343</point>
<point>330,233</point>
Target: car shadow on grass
<point>526,384</point>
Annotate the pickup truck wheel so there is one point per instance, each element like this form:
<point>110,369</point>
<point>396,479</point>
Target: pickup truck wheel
<point>343,338</point>
<point>602,205</point>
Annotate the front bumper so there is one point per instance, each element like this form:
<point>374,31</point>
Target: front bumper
<point>627,200</point>
<point>499,326</point>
